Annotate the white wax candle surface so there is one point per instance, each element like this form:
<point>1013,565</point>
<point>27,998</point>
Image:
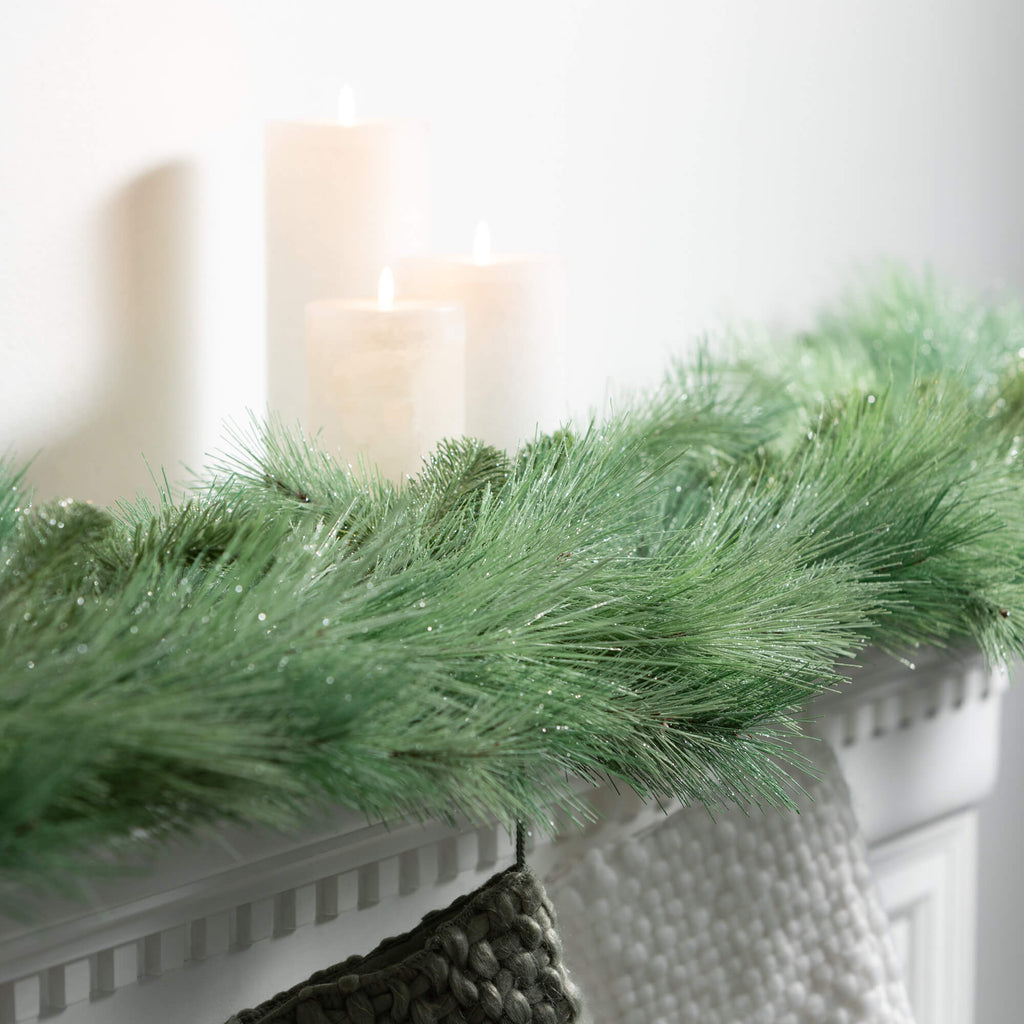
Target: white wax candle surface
<point>342,200</point>
<point>386,379</point>
<point>515,335</point>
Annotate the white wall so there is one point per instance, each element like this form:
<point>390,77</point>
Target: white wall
<point>690,160</point>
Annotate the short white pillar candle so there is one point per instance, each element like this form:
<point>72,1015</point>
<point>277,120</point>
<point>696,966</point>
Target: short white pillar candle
<point>515,335</point>
<point>385,378</point>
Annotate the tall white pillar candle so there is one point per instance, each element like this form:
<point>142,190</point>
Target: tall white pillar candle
<point>342,200</point>
<point>386,378</point>
<point>515,335</point>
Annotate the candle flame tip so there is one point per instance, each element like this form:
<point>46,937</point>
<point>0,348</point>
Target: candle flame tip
<point>346,105</point>
<point>482,243</point>
<point>386,290</point>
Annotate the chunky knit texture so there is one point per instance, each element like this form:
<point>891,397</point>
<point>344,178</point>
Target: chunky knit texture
<point>748,919</point>
<point>492,957</point>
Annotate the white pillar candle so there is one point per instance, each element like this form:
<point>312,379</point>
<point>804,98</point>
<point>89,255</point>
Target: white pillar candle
<point>342,200</point>
<point>386,379</point>
<point>515,335</point>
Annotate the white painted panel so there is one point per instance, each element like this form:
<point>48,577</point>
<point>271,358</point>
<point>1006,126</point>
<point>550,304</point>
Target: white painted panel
<point>927,879</point>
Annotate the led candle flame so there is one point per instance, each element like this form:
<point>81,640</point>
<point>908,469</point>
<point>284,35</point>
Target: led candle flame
<point>346,106</point>
<point>482,244</point>
<point>386,290</point>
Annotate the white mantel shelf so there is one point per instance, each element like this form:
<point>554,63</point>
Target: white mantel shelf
<point>219,922</point>
<point>915,743</point>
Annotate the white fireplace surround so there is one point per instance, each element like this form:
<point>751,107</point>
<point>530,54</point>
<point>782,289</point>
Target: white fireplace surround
<point>225,921</point>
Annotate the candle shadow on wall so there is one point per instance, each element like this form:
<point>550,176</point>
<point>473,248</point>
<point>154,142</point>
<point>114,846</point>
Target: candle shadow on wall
<point>146,409</point>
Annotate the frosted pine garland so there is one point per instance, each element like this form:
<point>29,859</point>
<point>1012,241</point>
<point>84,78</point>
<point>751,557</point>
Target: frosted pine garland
<point>652,597</point>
